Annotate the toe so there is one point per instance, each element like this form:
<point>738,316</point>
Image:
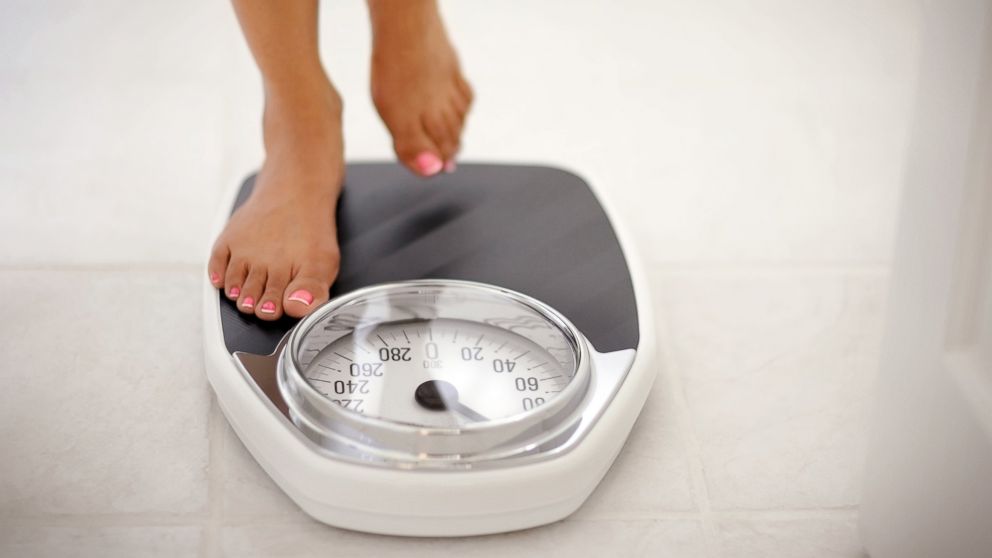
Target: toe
<point>234,278</point>
<point>454,123</point>
<point>465,90</point>
<point>461,106</point>
<point>217,266</point>
<point>309,289</point>
<point>462,101</point>
<point>252,289</point>
<point>439,128</point>
<point>417,151</point>
<point>269,306</point>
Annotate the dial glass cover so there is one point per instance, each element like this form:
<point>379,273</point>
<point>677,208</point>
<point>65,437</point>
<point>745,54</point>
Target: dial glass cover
<point>446,355</point>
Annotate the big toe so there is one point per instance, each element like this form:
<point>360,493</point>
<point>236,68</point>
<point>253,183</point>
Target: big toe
<point>308,290</point>
<point>445,128</point>
<point>417,151</point>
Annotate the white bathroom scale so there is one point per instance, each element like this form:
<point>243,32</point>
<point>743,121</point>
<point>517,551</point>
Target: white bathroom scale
<point>485,353</point>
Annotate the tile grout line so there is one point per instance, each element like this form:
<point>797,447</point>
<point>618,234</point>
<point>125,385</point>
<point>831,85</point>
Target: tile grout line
<point>141,519</point>
<point>752,515</point>
<point>690,443</point>
<point>825,266</point>
<point>210,544</point>
<point>141,267</point>
<point>105,520</point>
<point>662,267</point>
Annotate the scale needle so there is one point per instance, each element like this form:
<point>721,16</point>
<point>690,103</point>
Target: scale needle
<point>468,412</point>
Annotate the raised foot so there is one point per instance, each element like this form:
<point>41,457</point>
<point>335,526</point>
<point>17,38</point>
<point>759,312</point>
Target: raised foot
<point>417,85</point>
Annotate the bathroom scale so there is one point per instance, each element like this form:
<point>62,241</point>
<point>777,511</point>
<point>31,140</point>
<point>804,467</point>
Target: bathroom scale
<point>485,352</point>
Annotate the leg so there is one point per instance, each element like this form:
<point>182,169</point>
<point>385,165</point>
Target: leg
<point>417,85</point>
<point>279,251</point>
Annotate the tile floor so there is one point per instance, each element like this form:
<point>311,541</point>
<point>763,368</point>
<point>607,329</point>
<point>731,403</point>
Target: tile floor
<point>753,148</point>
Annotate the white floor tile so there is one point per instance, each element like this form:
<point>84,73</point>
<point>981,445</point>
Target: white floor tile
<point>776,368</point>
<point>105,402</point>
<point>724,131</point>
<point>790,538</point>
<point>105,542</point>
<point>651,476</point>
<point>113,39</point>
<point>568,539</point>
<point>247,490</point>
<point>129,172</point>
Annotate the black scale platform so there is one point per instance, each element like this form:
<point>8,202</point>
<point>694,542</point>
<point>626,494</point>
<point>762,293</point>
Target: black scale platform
<point>536,230</point>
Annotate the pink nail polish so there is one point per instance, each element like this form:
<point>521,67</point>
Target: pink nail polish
<point>268,307</point>
<point>450,166</point>
<point>429,164</point>
<point>301,296</point>
<point>248,303</point>
<point>214,278</point>
<point>234,292</point>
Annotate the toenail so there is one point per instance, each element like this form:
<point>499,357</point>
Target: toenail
<point>301,296</point>
<point>450,166</point>
<point>429,163</point>
<point>234,292</point>
<point>214,278</point>
<point>268,307</point>
<point>248,302</point>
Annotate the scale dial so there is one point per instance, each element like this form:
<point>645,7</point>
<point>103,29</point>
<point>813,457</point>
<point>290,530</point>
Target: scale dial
<point>434,370</point>
<point>438,373</point>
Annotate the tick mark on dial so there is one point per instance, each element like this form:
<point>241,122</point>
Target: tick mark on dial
<point>383,340</point>
<point>342,356</point>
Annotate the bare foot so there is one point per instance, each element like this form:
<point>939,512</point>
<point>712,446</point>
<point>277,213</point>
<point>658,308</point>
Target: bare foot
<point>279,251</point>
<point>417,86</point>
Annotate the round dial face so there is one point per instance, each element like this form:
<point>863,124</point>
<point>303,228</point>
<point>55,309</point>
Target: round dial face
<point>440,373</point>
<point>438,358</point>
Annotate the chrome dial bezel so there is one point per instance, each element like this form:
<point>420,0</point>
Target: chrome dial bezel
<point>332,426</point>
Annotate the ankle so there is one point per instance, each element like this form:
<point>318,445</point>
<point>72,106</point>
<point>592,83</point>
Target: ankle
<point>309,175</point>
<point>301,100</point>
<point>405,14</point>
<point>301,116</point>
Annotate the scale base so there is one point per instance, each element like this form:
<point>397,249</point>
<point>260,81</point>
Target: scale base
<point>537,230</point>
